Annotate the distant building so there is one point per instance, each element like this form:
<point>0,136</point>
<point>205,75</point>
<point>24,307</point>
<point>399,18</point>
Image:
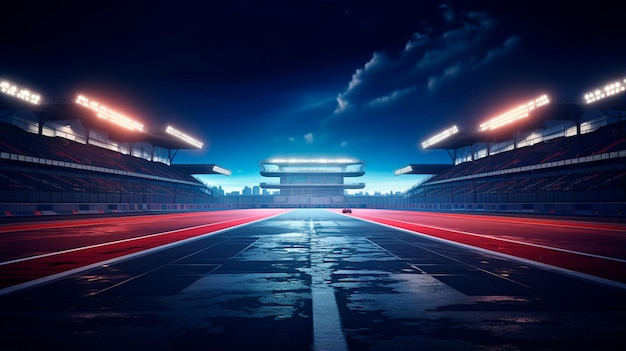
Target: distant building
<point>256,190</point>
<point>312,181</point>
<point>218,191</point>
<point>246,191</point>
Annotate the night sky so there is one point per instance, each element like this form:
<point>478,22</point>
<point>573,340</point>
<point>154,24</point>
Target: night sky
<point>364,79</point>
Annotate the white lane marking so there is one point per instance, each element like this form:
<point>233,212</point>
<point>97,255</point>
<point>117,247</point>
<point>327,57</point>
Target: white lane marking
<point>77,222</point>
<point>541,265</point>
<point>583,225</point>
<point>327,329</point>
<point>53,277</point>
<point>121,241</point>
<point>467,264</point>
<point>502,239</point>
<point>154,269</point>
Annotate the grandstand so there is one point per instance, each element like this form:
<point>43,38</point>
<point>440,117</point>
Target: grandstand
<point>83,157</point>
<point>557,158</point>
<point>311,182</point>
<point>546,156</point>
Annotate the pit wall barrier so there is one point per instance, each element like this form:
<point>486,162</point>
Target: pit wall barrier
<point>599,209</point>
<point>34,209</point>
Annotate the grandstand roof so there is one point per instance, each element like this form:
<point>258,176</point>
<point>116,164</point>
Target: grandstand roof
<point>202,169</point>
<point>344,167</point>
<point>559,110</point>
<point>282,173</point>
<point>615,102</point>
<point>72,111</point>
<point>11,103</point>
<point>313,162</point>
<point>415,168</point>
<point>606,145</point>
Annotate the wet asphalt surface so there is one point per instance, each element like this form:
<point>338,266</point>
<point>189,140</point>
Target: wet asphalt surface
<point>315,280</point>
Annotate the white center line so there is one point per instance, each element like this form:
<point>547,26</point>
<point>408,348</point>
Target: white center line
<point>327,329</point>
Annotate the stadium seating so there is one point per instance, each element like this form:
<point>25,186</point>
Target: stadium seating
<point>485,183</point>
<point>18,141</point>
<point>141,183</point>
<point>606,139</point>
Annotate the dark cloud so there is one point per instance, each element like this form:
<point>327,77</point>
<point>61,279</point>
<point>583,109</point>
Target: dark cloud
<point>369,79</point>
<point>467,41</point>
<point>447,12</point>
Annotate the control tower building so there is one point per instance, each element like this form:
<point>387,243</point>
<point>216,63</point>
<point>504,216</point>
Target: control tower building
<point>311,181</point>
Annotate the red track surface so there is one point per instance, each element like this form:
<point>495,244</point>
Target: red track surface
<point>32,251</point>
<point>592,248</point>
<point>37,250</point>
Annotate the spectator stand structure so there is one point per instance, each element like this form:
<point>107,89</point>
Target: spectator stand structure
<point>542,157</point>
<point>82,157</point>
<point>314,182</point>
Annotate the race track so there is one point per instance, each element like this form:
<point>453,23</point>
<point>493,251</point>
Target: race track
<point>313,279</point>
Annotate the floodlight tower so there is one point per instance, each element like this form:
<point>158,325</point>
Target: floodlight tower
<point>110,115</point>
<point>513,115</point>
<point>609,90</point>
<point>25,95</point>
<point>18,92</point>
<point>184,137</point>
<point>181,136</point>
<point>105,113</point>
<point>438,138</point>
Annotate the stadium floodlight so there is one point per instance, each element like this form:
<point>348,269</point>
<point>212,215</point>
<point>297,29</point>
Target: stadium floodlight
<point>610,89</point>
<point>403,170</point>
<point>313,160</point>
<point>513,115</point>
<point>19,92</point>
<point>220,170</point>
<point>441,136</point>
<point>108,114</point>
<point>177,133</point>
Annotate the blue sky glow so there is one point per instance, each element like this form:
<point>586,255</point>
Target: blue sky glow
<point>317,78</point>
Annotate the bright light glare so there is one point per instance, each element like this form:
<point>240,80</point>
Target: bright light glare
<point>515,114</point>
<point>608,90</point>
<point>441,136</point>
<point>403,170</point>
<point>20,93</point>
<point>220,170</point>
<point>313,161</point>
<point>108,114</point>
<point>177,133</point>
